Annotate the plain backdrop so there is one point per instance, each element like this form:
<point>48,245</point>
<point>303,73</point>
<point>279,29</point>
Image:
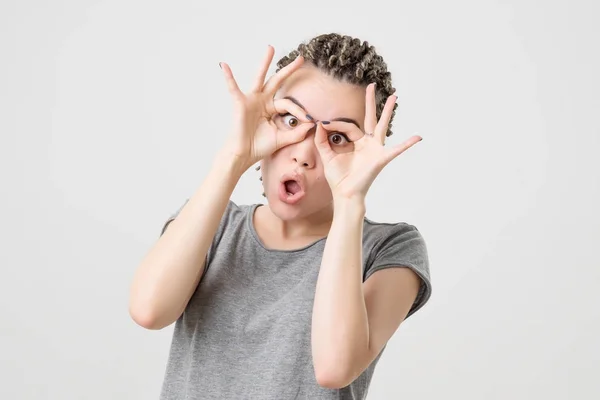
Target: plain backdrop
<point>111,112</point>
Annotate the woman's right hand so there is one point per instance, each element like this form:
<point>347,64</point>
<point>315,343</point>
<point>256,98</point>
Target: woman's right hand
<point>263,125</point>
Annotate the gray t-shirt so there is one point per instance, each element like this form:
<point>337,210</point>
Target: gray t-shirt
<point>245,333</point>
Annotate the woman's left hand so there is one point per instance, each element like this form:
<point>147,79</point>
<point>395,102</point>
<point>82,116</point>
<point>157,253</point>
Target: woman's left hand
<point>351,174</point>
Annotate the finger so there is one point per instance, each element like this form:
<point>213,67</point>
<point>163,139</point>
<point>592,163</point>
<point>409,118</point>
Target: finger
<point>370,109</point>
<point>386,116</point>
<point>232,85</point>
<point>276,80</point>
<point>295,135</point>
<point>262,73</point>
<point>353,132</point>
<point>398,149</point>
<point>284,106</point>
<point>322,142</point>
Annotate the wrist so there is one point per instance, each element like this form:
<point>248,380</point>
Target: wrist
<point>229,162</point>
<point>349,206</point>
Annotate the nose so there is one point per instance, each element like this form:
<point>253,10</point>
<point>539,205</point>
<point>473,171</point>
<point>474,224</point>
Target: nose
<point>305,152</point>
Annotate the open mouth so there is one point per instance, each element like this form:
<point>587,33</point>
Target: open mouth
<point>290,191</point>
<point>292,187</point>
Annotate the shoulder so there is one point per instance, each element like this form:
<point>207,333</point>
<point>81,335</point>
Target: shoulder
<point>377,234</point>
<point>395,241</point>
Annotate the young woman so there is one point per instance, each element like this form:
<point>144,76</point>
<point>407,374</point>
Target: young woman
<point>297,298</point>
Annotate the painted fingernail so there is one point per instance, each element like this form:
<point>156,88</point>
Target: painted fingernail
<point>325,122</point>
<point>220,66</point>
<point>308,117</point>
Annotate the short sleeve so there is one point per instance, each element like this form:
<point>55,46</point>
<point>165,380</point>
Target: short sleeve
<point>172,217</point>
<point>403,246</point>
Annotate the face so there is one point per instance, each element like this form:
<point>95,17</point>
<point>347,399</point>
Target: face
<point>325,99</point>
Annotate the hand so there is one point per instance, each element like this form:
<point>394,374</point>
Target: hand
<point>351,174</point>
<point>255,133</point>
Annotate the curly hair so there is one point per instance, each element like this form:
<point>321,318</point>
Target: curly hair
<point>349,60</point>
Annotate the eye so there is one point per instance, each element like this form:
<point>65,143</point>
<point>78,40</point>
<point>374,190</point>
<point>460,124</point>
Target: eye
<point>289,120</point>
<point>339,139</point>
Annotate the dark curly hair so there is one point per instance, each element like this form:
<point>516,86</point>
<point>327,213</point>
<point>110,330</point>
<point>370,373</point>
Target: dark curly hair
<point>350,60</point>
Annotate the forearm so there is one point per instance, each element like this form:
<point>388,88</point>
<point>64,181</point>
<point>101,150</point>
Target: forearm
<point>340,330</point>
<point>168,275</point>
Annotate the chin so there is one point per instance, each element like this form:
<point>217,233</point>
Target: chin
<point>286,212</point>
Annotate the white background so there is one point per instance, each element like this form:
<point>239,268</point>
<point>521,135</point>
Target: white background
<point>111,111</point>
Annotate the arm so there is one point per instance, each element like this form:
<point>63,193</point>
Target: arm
<point>352,320</point>
<point>169,274</point>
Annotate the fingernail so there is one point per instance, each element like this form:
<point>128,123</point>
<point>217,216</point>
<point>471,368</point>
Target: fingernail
<point>325,122</point>
<point>308,117</point>
<point>220,66</point>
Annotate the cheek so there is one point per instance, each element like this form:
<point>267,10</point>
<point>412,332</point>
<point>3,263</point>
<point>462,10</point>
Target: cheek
<point>270,179</point>
<point>322,189</point>
<point>268,165</point>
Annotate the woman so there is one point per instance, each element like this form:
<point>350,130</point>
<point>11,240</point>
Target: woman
<point>297,298</point>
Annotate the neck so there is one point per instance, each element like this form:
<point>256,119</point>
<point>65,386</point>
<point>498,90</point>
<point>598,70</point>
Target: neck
<point>313,225</point>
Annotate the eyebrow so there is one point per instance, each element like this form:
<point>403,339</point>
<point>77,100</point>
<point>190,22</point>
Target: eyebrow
<point>342,119</point>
